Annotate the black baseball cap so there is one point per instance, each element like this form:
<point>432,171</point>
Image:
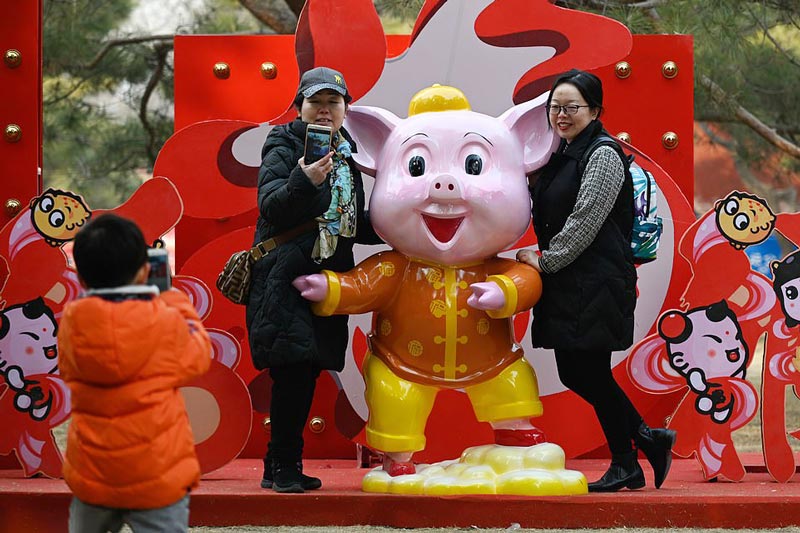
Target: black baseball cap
<point>320,78</point>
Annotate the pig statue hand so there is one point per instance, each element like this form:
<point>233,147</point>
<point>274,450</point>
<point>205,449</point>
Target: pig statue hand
<point>487,296</point>
<point>313,287</point>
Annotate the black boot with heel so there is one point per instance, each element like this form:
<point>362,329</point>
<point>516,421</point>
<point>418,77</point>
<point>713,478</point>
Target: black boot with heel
<point>656,444</point>
<point>287,478</point>
<point>623,473</point>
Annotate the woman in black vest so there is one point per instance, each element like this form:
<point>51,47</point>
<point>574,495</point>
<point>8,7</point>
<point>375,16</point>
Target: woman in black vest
<point>583,223</point>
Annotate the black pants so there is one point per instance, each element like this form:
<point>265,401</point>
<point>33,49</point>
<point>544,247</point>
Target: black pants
<point>588,374</point>
<point>292,392</point>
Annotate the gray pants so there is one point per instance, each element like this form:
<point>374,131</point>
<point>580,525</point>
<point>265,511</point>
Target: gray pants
<point>87,518</point>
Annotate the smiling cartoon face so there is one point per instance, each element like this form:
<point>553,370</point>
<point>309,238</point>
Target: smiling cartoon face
<point>450,184</point>
<point>58,215</point>
<point>28,338</point>
<point>744,219</point>
<point>786,281</point>
<point>706,338</point>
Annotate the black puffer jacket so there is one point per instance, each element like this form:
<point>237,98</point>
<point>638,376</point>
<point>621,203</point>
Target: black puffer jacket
<point>281,327</point>
<point>589,304</point>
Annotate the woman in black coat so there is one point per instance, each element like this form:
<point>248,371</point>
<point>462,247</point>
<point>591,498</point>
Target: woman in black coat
<point>583,222</point>
<point>327,199</point>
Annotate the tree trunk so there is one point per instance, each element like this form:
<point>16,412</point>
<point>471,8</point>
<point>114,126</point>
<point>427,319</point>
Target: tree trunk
<point>279,15</point>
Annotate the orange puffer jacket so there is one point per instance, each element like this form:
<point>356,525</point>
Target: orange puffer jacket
<point>130,444</point>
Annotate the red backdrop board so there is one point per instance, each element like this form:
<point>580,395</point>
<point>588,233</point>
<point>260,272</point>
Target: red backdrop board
<point>20,105</point>
<point>233,102</point>
<point>648,105</point>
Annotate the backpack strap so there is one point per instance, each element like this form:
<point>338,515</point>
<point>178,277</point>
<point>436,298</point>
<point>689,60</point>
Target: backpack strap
<point>604,139</point>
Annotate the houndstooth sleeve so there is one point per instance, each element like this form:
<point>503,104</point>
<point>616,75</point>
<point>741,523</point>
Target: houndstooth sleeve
<point>601,183</point>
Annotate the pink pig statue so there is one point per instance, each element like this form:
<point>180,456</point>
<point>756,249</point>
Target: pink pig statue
<point>450,194</point>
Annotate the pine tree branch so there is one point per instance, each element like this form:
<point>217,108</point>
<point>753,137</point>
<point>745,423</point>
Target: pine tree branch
<point>772,39</point>
<point>641,4</point>
<point>718,118</point>
<point>162,51</point>
<point>108,45</point>
<point>280,15</point>
<point>745,117</point>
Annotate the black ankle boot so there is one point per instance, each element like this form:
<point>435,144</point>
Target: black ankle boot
<point>624,472</point>
<point>287,478</point>
<point>656,444</point>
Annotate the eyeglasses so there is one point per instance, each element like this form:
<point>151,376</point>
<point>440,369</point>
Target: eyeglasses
<point>570,109</point>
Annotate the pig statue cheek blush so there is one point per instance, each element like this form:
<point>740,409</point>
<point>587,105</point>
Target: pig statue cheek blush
<point>450,194</point>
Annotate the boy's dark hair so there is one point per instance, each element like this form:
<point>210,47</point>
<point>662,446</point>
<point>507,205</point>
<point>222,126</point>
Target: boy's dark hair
<point>109,251</point>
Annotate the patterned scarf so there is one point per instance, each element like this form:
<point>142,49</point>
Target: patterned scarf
<point>340,218</point>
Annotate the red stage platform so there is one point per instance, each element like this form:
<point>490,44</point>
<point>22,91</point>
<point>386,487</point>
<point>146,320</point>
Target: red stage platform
<point>232,496</point>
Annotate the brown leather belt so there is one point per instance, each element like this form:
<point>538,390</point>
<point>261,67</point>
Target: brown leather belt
<point>266,246</point>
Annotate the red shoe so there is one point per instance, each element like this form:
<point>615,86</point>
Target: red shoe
<point>398,468</point>
<point>519,437</point>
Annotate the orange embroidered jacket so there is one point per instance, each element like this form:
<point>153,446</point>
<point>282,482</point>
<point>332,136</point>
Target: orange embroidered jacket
<point>130,444</point>
<point>423,328</point>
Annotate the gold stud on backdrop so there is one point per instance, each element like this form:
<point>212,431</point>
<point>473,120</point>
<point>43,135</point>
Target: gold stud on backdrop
<point>222,71</point>
<point>669,69</point>
<point>670,140</point>
<point>269,70</point>
<point>12,58</point>
<point>13,133</point>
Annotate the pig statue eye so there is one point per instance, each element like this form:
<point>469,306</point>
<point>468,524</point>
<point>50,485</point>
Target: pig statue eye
<point>416,166</point>
<point>473,164</point>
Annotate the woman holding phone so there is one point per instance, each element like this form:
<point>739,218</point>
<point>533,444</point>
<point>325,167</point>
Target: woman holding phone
<point>314,214</point>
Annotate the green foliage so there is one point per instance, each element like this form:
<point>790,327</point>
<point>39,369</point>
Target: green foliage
<point>96,143</point>
<point>226,16</point>
<point>403,10</point>
<point>749,48</point>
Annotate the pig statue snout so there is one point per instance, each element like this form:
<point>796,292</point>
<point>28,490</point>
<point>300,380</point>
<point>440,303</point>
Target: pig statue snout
<point>445,187</point>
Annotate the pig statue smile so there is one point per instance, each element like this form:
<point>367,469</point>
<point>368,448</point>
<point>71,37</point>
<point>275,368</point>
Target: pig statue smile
<point>450,194</point>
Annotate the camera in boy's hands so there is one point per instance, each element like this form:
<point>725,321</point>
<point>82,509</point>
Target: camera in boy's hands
<point>159,269</point>
<point>318,143</point>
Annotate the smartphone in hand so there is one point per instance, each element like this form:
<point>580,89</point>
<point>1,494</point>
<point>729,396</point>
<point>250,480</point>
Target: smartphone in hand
<point>318,143</point>
<point>159,269</point>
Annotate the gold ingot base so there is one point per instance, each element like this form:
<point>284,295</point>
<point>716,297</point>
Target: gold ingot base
<point>490,469</point>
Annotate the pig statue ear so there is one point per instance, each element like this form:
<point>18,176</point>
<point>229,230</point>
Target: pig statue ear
<point>528,122</point>
<point>369,127</point>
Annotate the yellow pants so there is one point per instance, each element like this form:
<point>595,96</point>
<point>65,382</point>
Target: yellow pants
<point>399,409</point>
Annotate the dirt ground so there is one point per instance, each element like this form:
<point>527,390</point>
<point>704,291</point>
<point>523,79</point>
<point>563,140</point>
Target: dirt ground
<point>374,529</point>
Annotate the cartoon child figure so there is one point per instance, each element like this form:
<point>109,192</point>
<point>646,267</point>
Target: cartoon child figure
<point>705,346</point>
<point>450,194</point>
<point>786,281</point>
<point>744,219</point>
<point>36,400</point>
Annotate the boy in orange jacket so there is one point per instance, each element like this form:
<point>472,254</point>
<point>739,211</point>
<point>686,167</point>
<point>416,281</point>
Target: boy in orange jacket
<point>124,351</point>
